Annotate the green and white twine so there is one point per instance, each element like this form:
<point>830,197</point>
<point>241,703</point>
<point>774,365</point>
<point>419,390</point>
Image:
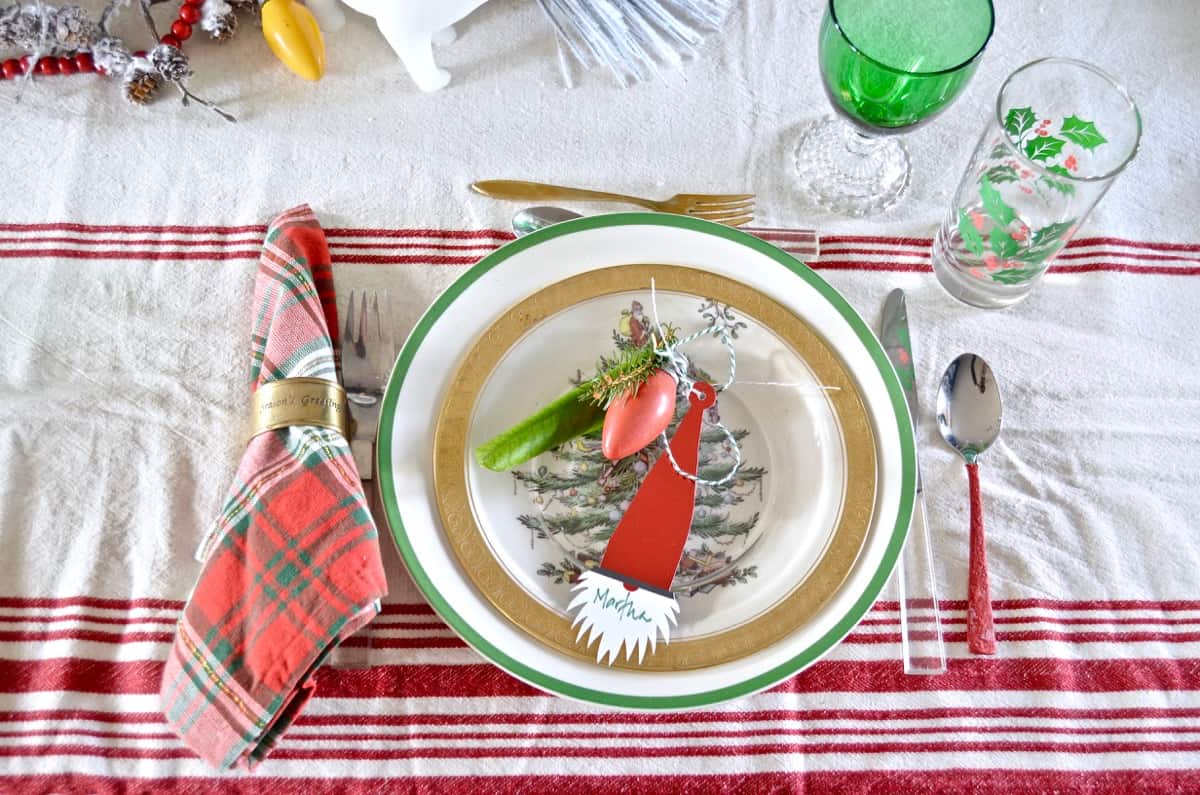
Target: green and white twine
<point>675,362</point>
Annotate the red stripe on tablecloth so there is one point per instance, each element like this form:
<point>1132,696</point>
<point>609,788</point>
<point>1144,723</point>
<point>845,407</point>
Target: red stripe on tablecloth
<point>447,260</point>
<point>534,719</point>
<point>115,245</point>
<point>1072,252</point>
<point>544,750</point>
<point>110,603</point>
<point>298,737</point>
<point>499,234</point>
<point>1064,604</point>
<point>88,635</point>
<point>377,625</point>
<point>81,617</point>
<point>423,609</point>
<point>409,609</point>
<point>98,602</point>
<point>954,620</point>
<point>452,642</point>
<point>470,680</point>
<point>212,242</point>
<point>448,234</point>
<point>112,254</point>
<point>1038,634</point>
<point>1079,242</point>
<point>66,226</point>
<point>949,782</point>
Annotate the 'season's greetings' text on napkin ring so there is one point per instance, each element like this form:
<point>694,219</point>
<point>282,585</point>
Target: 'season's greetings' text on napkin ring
<point>300,401</point>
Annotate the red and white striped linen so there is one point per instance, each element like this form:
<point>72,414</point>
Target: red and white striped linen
<point>361,246</point>
<point>108,469</point>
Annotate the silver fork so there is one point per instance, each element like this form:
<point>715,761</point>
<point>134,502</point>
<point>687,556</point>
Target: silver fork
<point>368,352</point>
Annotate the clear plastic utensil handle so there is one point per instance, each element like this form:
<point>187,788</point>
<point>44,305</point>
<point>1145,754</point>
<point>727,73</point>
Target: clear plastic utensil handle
<point>920,619</point>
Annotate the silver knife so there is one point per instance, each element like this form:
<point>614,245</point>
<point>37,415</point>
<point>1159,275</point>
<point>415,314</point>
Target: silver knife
<point>920,619</point>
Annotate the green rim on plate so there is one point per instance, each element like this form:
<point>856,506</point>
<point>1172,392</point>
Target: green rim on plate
<point>558,686</point>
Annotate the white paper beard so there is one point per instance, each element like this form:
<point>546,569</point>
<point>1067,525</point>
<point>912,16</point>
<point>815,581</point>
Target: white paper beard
<point>619,617</point>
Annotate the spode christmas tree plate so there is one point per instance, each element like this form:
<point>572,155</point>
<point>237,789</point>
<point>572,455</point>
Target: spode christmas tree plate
<point>436,354</point>
<point>765,551</point>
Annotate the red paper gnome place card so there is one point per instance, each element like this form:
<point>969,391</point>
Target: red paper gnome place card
<point>627,600</point>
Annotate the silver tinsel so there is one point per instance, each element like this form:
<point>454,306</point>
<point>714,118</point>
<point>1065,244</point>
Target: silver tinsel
<point>633,39</point>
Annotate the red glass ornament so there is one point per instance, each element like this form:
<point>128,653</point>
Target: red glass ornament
<point>47,66</point>
<point>181,29</point>
<point>170,40</point>
<point>84,62</point>
<point>12,69</point>
<point>632,422</point>
<point>66,66</point>
<point>189,14</point>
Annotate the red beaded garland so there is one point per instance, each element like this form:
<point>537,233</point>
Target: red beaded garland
<point>190,13</point>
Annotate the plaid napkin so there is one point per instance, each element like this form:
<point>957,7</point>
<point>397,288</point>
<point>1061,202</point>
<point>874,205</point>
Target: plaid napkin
<point>292,565</point>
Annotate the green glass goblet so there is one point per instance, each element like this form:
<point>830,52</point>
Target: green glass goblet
<point>887,66</point>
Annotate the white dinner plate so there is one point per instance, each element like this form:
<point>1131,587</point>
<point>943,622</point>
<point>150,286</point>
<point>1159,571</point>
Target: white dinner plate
<point>798,500</point>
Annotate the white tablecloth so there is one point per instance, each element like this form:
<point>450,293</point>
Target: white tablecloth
<point>127,247</point>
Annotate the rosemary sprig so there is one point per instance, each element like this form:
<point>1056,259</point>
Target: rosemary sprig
<point>627,371</point>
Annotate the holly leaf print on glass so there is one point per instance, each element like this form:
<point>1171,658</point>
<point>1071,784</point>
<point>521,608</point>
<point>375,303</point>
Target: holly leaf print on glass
<point>1043,147</point>
<point>1015,276</point>
<point>970,235</point>
<point>1002,174</point>
<point>1003,243</point>
<point>993,205</point>
<point>1082,132</point>
<point>1065,188</point>
<point>1019,121</point>
<point>1051,232</point>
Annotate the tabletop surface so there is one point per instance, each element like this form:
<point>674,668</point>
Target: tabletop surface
<point>128,245</point>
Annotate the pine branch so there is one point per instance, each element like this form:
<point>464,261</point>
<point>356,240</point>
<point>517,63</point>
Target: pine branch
<point>718,471</point>
<point>543,483</point>
<point>713,524</point>
<point>569,524</point>
<point>717,436</point>
<point>626,372</point>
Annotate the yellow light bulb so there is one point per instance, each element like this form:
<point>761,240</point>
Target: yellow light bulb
<point>291,32</point>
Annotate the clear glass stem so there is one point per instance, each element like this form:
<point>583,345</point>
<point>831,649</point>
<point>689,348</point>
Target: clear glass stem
<point>849,172</point>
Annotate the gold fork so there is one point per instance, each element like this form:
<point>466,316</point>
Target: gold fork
<point>729,209</point>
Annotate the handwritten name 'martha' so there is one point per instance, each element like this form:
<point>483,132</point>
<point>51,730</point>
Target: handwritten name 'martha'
<point>624,607</point>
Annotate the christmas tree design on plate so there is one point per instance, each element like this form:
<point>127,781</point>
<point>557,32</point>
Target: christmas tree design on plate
<point>580,495</point>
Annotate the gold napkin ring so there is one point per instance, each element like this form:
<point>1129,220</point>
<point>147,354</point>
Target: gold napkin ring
<point>299,401</point>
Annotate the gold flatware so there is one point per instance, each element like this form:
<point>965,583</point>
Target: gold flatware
<point>733,209</point>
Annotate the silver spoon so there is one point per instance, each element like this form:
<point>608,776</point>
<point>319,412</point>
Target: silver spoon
<point>532,219</point>
<point>969,416</point>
